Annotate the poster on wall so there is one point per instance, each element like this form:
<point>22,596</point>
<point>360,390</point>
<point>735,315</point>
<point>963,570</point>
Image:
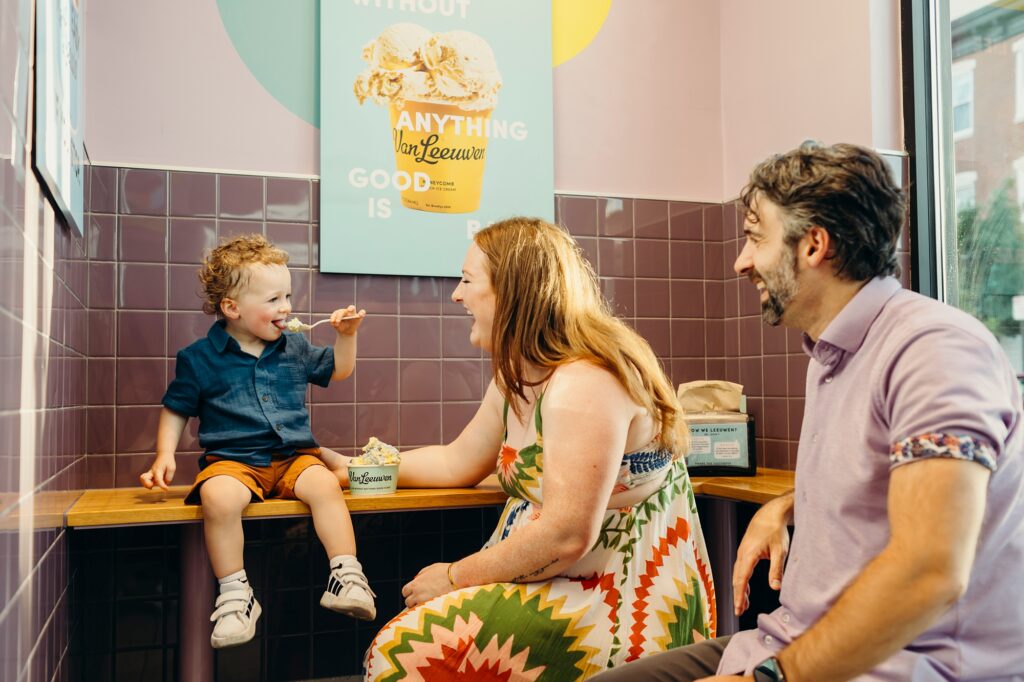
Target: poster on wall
<point>435,121</point>
<point>59,148</point>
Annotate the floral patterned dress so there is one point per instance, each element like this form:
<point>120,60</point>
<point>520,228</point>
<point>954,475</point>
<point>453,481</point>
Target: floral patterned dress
<point>644,587</point>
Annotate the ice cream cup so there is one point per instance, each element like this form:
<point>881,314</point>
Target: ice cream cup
<point>379,479</point>
<point>447,144</point>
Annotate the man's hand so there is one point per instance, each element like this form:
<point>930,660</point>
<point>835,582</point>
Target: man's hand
<point>160,474</point>
<point>767,537</point>
<point>347,327</point>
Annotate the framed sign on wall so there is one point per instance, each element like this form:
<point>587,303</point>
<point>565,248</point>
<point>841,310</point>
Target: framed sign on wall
<point>59,150</point>
<point>435,120</point>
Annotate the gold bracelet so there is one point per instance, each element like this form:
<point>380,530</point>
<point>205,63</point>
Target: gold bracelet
<point>450,579</point>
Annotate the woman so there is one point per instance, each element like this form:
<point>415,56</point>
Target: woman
<point>598,557</point>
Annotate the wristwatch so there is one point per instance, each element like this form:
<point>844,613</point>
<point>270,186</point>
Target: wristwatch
<point>769,670</point>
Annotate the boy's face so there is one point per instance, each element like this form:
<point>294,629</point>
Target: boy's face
<point>261,307</point>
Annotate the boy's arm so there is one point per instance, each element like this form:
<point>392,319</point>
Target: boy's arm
<point>345,343</point>
<point>168,433</point>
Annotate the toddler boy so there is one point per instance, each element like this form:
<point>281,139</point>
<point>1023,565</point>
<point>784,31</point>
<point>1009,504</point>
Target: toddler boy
<point>246,382</point>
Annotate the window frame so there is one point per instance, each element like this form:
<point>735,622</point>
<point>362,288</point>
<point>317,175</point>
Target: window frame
<point>930,203</point>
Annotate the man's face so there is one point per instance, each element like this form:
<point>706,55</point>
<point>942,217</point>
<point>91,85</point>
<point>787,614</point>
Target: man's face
<point>768,262</point>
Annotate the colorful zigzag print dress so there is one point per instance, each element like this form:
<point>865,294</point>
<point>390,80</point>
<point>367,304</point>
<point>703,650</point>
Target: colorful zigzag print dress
<point>644,587</point>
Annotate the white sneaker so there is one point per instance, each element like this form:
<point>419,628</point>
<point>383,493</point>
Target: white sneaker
<point>236,612</point>
<point>348,592</point>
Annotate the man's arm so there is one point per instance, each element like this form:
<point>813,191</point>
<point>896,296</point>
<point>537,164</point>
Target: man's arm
<point>935,514</point>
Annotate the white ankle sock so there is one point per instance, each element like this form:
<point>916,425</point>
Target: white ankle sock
<point>342,559</point>
<point>235,581</point>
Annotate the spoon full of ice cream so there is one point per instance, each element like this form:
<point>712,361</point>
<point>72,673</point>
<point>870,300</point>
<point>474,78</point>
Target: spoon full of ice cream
<point>297,325</point>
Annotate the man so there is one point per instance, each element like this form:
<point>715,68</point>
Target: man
<point>907,560</point>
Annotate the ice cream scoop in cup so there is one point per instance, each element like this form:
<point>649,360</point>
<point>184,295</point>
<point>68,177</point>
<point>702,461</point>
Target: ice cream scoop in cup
<point>375,472</point>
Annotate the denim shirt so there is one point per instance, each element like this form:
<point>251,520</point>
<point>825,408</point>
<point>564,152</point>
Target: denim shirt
<point>249,408</point>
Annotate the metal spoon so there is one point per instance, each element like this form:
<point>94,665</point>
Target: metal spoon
<point>303,327</point>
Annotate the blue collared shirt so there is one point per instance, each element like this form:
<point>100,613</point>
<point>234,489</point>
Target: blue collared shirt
<point>249,408</point>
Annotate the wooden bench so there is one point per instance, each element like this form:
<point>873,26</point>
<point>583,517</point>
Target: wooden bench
<point>136,506</point>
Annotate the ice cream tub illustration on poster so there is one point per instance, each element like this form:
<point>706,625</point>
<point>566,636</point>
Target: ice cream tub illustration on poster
<point>435,121</point>
<point>440,90</point>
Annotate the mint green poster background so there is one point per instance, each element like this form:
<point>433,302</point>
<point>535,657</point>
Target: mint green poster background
<point>519,175</point>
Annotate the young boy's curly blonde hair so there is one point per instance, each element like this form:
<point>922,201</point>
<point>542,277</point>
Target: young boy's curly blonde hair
<point>226,269</point>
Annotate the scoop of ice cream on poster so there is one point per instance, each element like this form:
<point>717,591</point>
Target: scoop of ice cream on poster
<point>407,61</point>
<point>440,90</point>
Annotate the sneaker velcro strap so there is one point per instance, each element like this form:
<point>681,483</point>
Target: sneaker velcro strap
<point>347,575</point>
<point>235,601</point>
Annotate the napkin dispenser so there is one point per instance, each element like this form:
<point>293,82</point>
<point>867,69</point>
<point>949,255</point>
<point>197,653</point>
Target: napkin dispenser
<point>722,434</point>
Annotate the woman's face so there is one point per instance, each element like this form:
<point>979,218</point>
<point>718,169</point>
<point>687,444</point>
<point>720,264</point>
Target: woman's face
<point>477,296</point>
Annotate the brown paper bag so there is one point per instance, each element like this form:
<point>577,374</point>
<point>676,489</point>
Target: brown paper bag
<point>710,396</point>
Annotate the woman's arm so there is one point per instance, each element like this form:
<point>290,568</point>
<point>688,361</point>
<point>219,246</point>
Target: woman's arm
<point>464,462</point>
<point>586,415</point>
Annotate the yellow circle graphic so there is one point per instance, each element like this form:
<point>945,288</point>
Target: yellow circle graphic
<point>575,23</point>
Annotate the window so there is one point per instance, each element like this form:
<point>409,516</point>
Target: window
<point>963,99</point>
<point>1018,176</point>
<point>962,57</point>
<point>966,184</point>
<point>1018,81</point>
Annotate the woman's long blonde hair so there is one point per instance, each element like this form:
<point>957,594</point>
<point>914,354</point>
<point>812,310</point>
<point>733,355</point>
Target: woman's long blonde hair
<point>549,311</point>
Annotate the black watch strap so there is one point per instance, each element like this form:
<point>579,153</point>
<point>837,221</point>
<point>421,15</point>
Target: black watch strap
<point>769,670</point>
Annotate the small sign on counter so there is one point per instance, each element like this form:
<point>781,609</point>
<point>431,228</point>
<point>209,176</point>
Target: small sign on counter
<point>721,444</point>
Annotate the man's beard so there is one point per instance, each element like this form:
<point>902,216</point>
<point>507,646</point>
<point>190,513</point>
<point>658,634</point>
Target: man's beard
<point>780,284</point>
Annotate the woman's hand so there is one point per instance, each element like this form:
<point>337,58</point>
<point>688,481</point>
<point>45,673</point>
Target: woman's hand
<point>430,582</point>
<point>767,537</point>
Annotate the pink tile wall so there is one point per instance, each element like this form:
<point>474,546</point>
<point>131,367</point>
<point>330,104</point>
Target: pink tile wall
<point>666,267</point>
<point>43,397</point>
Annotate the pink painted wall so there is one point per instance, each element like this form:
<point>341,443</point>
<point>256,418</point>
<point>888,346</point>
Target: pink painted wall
<point>166,88</point>
<point>673,99</point>
<point>638,113</point>
<point>821,69</point>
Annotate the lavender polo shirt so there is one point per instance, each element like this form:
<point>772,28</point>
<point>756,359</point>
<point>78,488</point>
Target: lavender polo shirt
<point>895,378</point>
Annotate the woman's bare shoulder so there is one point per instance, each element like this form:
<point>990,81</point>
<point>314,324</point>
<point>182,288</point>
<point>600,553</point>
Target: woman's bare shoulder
<point>583,378</point>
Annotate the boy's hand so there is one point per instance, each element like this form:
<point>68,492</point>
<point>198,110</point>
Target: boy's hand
<point>160,474</point>
<point>347,327</point>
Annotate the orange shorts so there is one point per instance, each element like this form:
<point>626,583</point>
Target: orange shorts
<point>276,480</point>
